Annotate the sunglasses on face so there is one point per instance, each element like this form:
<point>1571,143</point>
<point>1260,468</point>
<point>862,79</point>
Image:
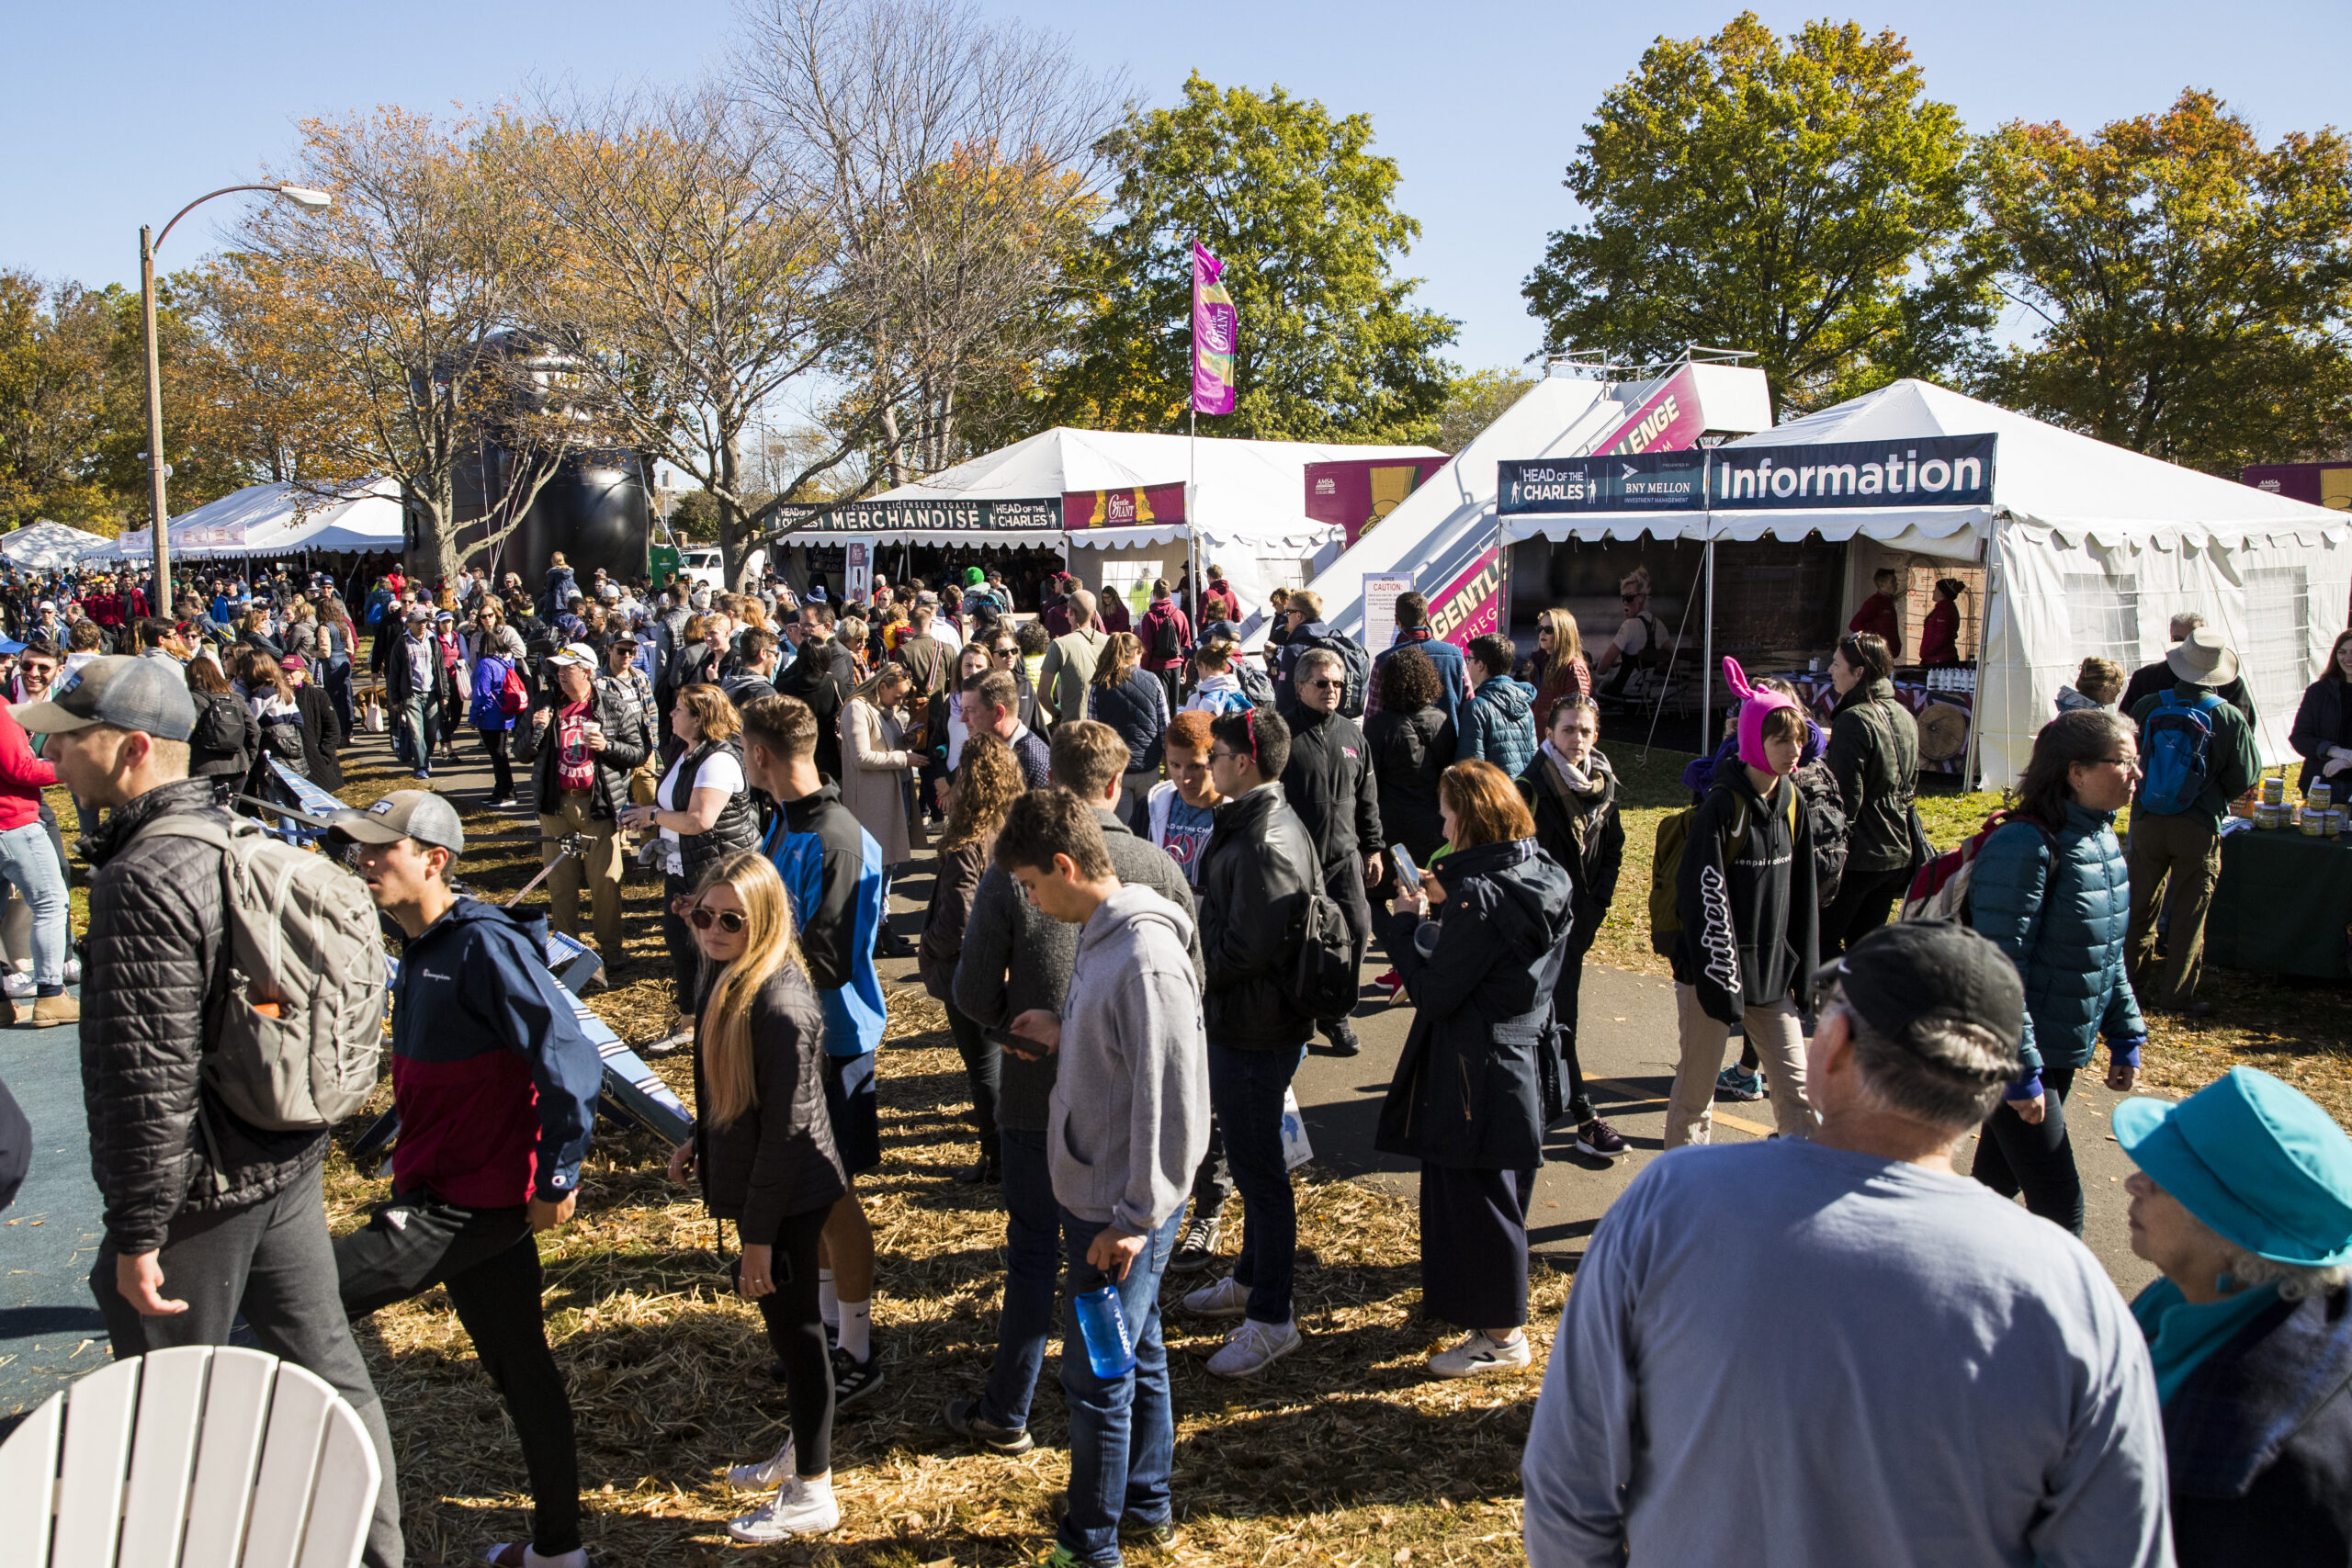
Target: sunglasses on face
<point>729,920</point>
<point>1323,685</point>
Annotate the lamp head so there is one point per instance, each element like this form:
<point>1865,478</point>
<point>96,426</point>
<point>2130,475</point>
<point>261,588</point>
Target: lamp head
<point>305,196</point>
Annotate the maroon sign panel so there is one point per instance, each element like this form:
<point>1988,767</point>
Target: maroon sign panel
<point>2322,484</point>
<point>1357,493</point>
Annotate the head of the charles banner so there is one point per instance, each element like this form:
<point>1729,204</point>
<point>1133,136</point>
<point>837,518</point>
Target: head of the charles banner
<point>1216,329</point>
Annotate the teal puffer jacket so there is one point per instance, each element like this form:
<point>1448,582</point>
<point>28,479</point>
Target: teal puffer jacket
<point>2058,905</point>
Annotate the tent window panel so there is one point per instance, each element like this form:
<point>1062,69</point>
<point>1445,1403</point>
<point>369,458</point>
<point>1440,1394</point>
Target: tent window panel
<point>2103,614</point>
<point>1776,601</point>
<point>2273,644</point>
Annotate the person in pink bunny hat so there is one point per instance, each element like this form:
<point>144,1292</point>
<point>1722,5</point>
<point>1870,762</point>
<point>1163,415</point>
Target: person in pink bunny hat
<point>1750,919</point>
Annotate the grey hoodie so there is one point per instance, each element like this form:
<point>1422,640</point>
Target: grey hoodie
<point>1129,1117</point>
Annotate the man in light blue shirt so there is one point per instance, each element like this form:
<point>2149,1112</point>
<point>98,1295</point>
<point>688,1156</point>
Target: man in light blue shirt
<point>1837,1351</point>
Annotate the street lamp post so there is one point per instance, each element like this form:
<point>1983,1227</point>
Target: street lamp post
<point>157,470</point>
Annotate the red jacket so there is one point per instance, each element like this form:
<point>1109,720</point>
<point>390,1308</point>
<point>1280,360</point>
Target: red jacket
<point>22,776</point>
<point>1877,615</point>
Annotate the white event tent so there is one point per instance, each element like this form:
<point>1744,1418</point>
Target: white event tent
<point>273,520</point>
<point>1249,499</point>
<point>2089,549</point>
<point>49,547</point>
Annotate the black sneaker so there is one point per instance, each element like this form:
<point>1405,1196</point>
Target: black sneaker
<point>982,1172</point>
<point>1598,1139</point>
<point>963,1418</point>
<point>854,1379</point>
<point>1196,1248</point>
<point>1342,1036</point>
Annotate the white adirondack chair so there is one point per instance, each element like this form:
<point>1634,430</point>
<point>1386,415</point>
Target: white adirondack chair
<point>190,1458</point>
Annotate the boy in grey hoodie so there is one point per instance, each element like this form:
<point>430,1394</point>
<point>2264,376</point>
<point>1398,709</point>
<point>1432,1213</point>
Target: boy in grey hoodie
<point>1129,1121</point>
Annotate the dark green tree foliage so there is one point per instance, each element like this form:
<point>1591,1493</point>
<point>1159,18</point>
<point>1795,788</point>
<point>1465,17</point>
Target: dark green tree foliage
<point>1303,215</point>
<point>2193,291</point>
<point>1800,198</point>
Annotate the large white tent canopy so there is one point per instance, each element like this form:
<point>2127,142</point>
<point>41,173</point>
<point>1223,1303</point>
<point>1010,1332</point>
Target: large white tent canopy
<point>277,520</point>
<point>2091,550</point>
<point>49,547</point>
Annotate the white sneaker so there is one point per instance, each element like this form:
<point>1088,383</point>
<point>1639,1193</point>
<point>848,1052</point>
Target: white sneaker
<point>17,983</point>
<point>1227,1298</point>
<point>771,1472</point>
<point>1252,1348</point>
<point>1480,1352</point>
<point>798,1508</point>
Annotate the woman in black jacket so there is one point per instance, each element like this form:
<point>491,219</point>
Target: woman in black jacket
<point>1131,700</point>
<point>321,730</point>
<point>2322,735</point>
<point>1571,791</point>
<point>1480,950</point>
<point>763,1146</point>
<point>226,739</point>
<point>1874,755</point>
<point>986,781</point>
<point>1412,741</point>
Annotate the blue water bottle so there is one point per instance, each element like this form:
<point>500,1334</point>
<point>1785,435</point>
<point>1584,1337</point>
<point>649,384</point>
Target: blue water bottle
<point>1102,1324</point>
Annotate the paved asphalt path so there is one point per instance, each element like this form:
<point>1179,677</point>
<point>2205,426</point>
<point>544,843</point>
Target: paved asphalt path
<point>50,1330</point>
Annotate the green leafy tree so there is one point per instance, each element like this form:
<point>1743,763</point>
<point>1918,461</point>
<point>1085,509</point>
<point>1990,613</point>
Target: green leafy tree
<point>52,402</point>
<point>1800,198</point>
<point>2192,289</point>
<point>1475,400</point>
<point>1303,215</point>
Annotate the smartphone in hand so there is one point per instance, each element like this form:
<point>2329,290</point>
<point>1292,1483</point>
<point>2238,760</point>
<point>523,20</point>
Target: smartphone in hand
<point>1409,875</point>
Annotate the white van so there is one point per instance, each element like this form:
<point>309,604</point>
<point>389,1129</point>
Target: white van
<point>705,567</point>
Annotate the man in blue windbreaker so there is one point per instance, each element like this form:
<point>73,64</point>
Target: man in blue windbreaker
<point>833,873</point>
<point>495,1085</point>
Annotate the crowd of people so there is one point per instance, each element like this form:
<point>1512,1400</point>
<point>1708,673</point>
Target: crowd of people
<point>1161,862</point>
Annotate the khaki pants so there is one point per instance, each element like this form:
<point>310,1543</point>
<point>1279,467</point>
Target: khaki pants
<point>2184,847</point>
<point>603,873</point>
<point>1773,1030</point>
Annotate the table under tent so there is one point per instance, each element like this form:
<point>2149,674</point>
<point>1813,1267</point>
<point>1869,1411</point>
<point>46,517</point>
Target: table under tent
<point>2070,548</point>
<point>1110,504</point>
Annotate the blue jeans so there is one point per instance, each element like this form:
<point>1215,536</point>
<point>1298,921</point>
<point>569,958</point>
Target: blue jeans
<point>420,722</point>
<point>1245,1090</point>
<point>28,865</point>
<point>1122,1429</point>
<point>1033,1267</point>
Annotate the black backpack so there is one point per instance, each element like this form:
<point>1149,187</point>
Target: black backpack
<point>1329,975</point>
<point>1166,646</point>
<point>1356,665</point>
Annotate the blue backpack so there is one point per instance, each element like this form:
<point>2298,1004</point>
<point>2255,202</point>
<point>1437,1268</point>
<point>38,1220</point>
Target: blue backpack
<point>487,709</point>
<point>2175,754</point>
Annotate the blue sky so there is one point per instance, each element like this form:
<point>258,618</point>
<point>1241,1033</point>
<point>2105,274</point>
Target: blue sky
<point>117,115</point>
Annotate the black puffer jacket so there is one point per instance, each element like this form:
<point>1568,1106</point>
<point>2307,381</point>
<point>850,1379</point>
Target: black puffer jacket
<point>736,827</point>
<point>777,1158</point>
<point>1256,874</point>
<point>151,959</point>
<point>1467,1093</point>
<point>1137,708</point>
<point>627,743</point>
<point>1328,783</point>
<point>1409,752</point>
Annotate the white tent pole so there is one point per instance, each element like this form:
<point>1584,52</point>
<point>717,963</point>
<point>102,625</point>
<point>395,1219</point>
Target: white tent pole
<point>1707,650</point>
<point>1979,699</point>
<point>1191,524</point>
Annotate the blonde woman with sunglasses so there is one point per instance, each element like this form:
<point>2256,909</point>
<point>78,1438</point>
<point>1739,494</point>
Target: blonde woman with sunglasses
<point>762,1146</point>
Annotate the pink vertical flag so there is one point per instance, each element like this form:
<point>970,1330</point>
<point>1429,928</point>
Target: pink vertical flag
<point>1216,327</point>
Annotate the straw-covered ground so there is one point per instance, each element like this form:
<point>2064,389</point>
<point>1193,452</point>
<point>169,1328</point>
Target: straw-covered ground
<point>1350,1455</point>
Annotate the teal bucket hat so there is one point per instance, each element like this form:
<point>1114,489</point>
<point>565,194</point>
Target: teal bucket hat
<point>2254,1159</point>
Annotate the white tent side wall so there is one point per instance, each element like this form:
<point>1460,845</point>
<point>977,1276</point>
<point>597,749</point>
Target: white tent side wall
<point>2278,598</point>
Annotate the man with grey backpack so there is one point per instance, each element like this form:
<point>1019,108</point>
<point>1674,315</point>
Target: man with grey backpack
<point>207,1161</point>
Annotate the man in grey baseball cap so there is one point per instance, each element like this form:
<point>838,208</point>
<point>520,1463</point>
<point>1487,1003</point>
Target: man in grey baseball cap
<point>207,1218</point>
